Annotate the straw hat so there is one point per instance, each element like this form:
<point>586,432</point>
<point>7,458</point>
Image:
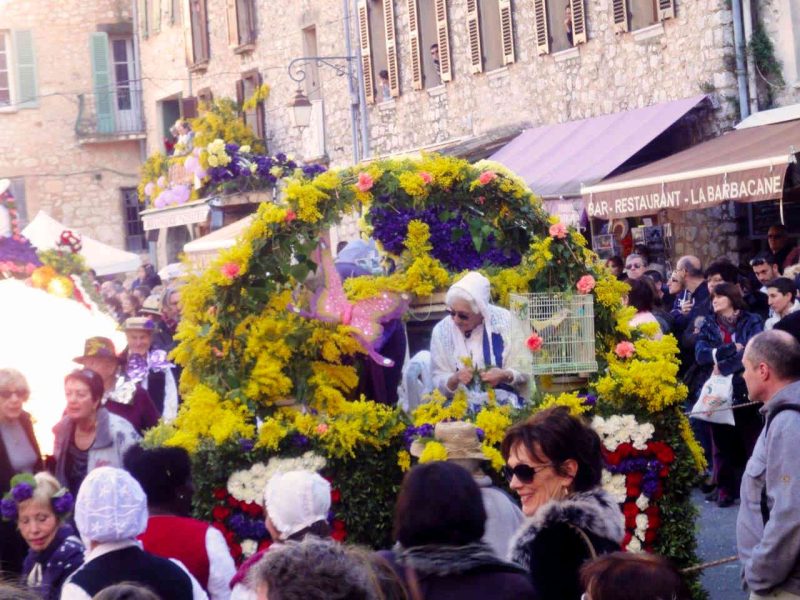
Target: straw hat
<point>138,324</point>
<point>458,437</point>
<point>151,306</point>
<point>97,347</point>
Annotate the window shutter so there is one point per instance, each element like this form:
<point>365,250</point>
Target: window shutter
<point>666,9</point>
<point>391,47</point>
<point>542,30</point>
<point>240,92</point>
<point>366,53</point>
<point>156,20</point>
<point>474,34</point>
<point>233,23</point>
<point>620,8</point>
<point>189,108</point>
<point>101,78</point>
<point>187,32</point>
<point>506,31</point>
<point>414,42</point>
<point>578,22</point>
<point>144,30</point>
<point>443,40</point>
<point>25,57</point>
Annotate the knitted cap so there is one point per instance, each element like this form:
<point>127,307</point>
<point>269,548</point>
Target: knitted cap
<point>297,499</point>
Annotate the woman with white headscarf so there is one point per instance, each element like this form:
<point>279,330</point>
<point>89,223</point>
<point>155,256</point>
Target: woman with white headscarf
<point>111,510</point>
<point>478,337</point>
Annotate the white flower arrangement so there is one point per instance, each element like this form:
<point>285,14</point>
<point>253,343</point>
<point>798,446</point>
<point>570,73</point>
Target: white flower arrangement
<point>642,502</point>
<point>249,547</point>
<point>615,486</point>
<point>634,545</point>
<point>642,523</point>
<point>621,429</point>
<point>248,485</point>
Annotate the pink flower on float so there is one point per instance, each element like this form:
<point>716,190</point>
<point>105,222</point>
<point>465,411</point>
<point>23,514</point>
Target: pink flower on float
<point>290,216</point>
<point>191,164</point>
<point>625,349</point>
<point>181,194</point>
<point>534,342</point>
<point>365,182</point>
<point>425,176</point>
<point>585,284</point>
<point>481,200</point>
<point>162,182</point>
<point>162,199</point>
<point>230,270</point>
<point>149,188</point>
<point>486,177</point>
<point>558,230</point>
<point>321,429</point>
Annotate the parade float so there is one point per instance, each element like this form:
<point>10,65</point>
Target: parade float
<point>272,345</point>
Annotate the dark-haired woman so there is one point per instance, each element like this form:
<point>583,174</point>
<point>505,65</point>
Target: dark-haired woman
<point>88,436</point>
<point>166,478</point>
<point>554,464</point>
<point>642,297</point>
<point>629,576</point>
<point>439,521</point>
<point>719,348</point>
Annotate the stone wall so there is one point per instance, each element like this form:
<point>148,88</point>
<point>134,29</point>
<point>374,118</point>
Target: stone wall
<point>781,21</point>
<point>78,184</point>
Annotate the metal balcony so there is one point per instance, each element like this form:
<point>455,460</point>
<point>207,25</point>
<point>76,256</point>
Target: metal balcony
<point>114,115</point>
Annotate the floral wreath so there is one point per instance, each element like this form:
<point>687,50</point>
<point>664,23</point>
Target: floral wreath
<point>69,240</point>
<point>22,488</point>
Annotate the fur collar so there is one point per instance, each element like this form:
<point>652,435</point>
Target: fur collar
<point>593,511</point>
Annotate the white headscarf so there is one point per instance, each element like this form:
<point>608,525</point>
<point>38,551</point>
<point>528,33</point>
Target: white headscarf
<point>477,287</point>
<point>111,506</point>
<point>297,499</point>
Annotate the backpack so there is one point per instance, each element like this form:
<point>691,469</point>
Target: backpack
<point>770,418</point>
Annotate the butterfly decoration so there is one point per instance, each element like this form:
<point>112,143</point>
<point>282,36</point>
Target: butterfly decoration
<point>365,318</point>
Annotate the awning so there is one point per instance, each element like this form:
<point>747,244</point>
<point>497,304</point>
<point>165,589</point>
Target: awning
<point>555,160</point>
<point>173,216</point>
<point>44,232</point>
<point>224,237</point>
<point>747,165</point>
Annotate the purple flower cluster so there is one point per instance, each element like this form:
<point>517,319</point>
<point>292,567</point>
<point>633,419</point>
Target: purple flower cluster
<point>450,237</point>
<point>299,440</point>
<point>63,504</point>
<point>22,491</point>
<point>649,467</point>
<point>19,251</point>
<point>588,399</point>
<point>8,509</point>
<point>246,444</point>
<point>238,170</point>
<point>411,433</point>
<point>247,528</point>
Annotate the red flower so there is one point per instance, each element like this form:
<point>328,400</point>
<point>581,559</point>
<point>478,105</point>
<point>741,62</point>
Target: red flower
<point>233,502</point>
<point>650,536</point>
<point>365,182</point>
<point>425,176</point>
<point>633,484</point>
<point>220,513</point>
<point>630,510</point>
<point>236,552</point>
<point>252,509</point>
<point>625,349</point>
<point>336,495</point>
<point>220,527</point>
<point>626,540</point>
<point>663,452</point>
<point>486,177</point>
<point>339,535</point>
<point>338,525</point>
<point>534,342</point>
<point>230,270</point>
<point>264,544</point>
<point>220,493</point>
<point>290,216</point>
<point>635,478</point>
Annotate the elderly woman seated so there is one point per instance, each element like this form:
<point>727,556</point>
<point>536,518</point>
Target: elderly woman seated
<point>475,347</point>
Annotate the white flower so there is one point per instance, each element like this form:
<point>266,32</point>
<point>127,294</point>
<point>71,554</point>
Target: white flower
<point>641,525</point>
<point>249,548</point>
<point>237,485</point>
<point>634,545</point>
<point>615,486</point>
<point>245,149</point>
<point>642,502</point>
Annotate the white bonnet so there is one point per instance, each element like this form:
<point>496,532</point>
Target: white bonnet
<point>478,288</point>
<point>297,499</point>
<point>111,506</point>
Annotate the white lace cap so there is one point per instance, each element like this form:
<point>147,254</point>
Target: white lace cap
<point>296,500</point>
<point>111,506</point>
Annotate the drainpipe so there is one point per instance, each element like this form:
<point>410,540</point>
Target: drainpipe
<point>741,66</point>
<point>354,102</point>
<point>747,14</point>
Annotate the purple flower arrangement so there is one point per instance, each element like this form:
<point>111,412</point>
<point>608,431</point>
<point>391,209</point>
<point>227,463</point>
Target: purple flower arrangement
<point>8,509</point>
<point>246,527</point>
<point>650,468</point>
<point>18,255</point>
<point>412,433</point>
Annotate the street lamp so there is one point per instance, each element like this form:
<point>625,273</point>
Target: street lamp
<point>301,110</point>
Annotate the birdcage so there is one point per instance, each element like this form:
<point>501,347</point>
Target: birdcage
<point>565,322</point>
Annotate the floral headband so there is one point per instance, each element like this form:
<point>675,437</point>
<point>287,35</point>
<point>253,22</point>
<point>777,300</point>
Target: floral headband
<point>22,487</point>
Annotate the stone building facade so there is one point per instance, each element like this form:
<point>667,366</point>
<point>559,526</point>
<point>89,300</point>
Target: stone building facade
<point>71,129</point>
<point>780,20</point>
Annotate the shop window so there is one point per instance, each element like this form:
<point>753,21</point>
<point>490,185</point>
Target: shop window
<point>135,239</point>
<point>630,15</point>
<point>378,49</point>
<point>429,43</point>
<point>253,115</point>
<point>490,32</point>
<point>196,33</point>
<point>18,82</point>
<point>241,23</point>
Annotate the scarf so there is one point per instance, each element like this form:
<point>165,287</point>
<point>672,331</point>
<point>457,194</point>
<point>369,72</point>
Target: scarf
<point>451,560</point>
<point>729,323</point>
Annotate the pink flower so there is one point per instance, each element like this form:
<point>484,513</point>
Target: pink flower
<point>486,177</point>
<point>290,216</point>
<point>625,349</point>
<point>321,429</point>
<point>230,270</point>
<point>585,284</point>
<point>162,182</point>
<point>480,200</point>
<point>425,176</point>
<point>365,182</point>
<point>534,342</point>
<point>558,230</point>
<point>149,188</point>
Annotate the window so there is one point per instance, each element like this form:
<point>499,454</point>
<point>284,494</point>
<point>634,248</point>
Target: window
<point>241,22</point>
<point>115,106</point>
<point>378,45</point>
<point>253,115</point>
<point>196,33</point>
<point>490,30</point>
<point>18,85</point>
<point>205,97</point>
<point>135,240</point>
<point>429,43</point>
<point>630,15</point>
<point>559,24</point>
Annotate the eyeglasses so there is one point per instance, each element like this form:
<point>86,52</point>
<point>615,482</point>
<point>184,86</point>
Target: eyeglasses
<point>634,266</point>
<point>461,315</point>
<point>21,394</point>
<point>525,473</point>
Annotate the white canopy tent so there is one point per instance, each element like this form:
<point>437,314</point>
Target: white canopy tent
<point>44,232</point>
<point>202,250</point>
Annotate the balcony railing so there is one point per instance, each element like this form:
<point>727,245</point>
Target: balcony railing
<point>115,114</point>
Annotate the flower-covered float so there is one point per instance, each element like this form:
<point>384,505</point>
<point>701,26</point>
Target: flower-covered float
<point>268,384</point>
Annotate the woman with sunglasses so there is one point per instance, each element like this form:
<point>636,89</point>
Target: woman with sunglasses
<point>475,348</point>
<point>19,453</point>
<point>554,464</point>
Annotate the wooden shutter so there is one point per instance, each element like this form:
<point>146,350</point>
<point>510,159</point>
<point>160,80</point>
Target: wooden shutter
<point>233,23</point>
<point>155,24</point>
<point>144,28</point>
<point>366,52</point>
<point>189,108</point>
<point>101,79</point>
<point>414,43</point>
<point>188,42</point>
<point>620,8</point>
<point>578,22</point>
<point>203,16</point>
<point>506,31</point>
<point>542,29</point>
<point>666,9</point>
<point>25,58</point>
<point>391,47</point>
<point>240,93</point>
<point>443,40</point>
<point>474,35</point>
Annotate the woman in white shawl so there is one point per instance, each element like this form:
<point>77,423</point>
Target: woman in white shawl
<point>478,337</point>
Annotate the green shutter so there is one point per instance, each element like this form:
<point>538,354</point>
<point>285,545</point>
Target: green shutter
<point>101,78</point>
<point>26,69</point>
<point>144,21</point>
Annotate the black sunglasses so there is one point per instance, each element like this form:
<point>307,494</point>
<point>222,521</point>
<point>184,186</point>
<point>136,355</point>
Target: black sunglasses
<point>525,473</point>
<point>460,315</point>
<point>21,394</point>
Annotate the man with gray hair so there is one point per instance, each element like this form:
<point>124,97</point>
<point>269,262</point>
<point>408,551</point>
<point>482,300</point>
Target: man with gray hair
<point>768,524</point>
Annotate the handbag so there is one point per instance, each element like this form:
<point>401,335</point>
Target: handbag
<point>715,400</point>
